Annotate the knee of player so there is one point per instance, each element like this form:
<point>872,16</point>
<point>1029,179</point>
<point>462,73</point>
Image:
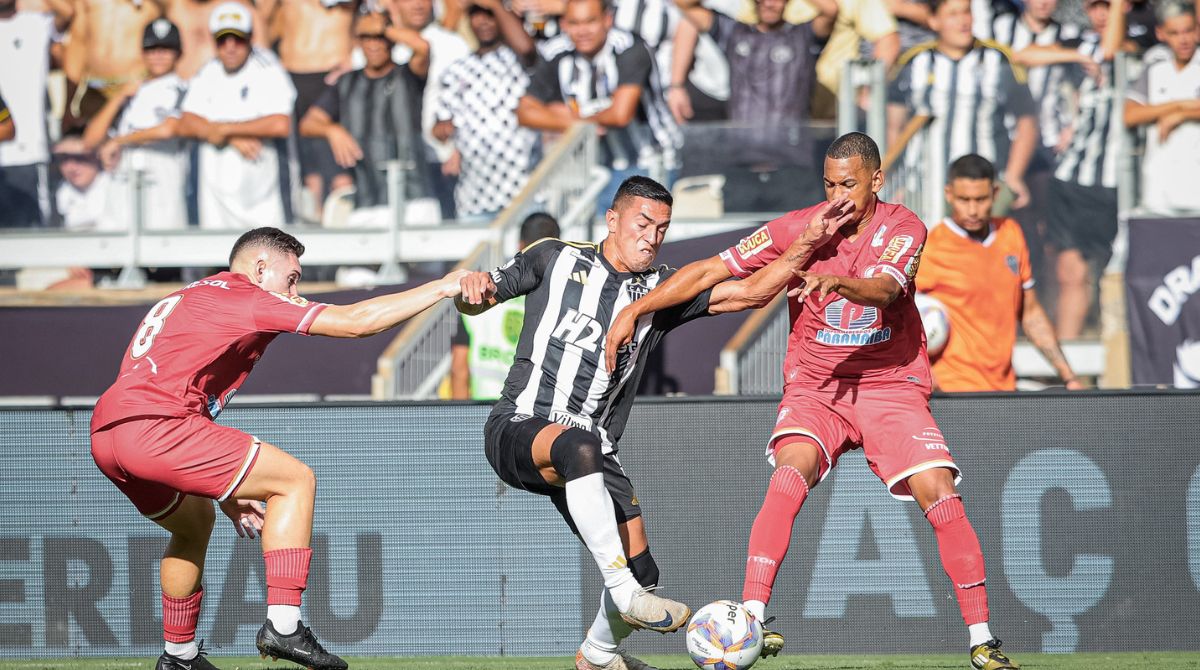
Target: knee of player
<point>304,480</point>
<point>577,453</point>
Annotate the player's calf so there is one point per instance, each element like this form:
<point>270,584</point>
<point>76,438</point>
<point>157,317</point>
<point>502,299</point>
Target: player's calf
<point>300,647</point>
<point>987,656</point>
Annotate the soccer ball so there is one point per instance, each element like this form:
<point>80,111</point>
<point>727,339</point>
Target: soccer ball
<point>724,636</point>
<point>936,321</point>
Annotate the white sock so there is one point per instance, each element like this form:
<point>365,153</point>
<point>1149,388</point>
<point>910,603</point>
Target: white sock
<point>591,509</point>
<point>185,650</point>
<point>756,607</point>
<point>979,633</point>
<point>284,618</point>
<point>606,632</point>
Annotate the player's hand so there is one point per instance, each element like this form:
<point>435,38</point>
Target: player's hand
<point>249,147</point>
<point>1020,191</point>
<point>680,104</point>
<point>809,282</point>
<point>453,164</point>
<point>620,333</point>
<point>477,287</point>
<point>827,221</point>
<point>247,516</point>
<point>451,285</point>
<point>345,149</point>
<point>1074,385</point>
<point>109,154</point>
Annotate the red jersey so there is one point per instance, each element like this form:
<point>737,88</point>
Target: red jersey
<point>835,340</point>
<point>196,346</point>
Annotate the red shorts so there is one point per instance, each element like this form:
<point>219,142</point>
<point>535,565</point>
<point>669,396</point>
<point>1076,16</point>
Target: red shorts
<point>892,426</point>
<point>155,461</point>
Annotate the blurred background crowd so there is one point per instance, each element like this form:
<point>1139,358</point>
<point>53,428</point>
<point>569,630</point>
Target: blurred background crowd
<point>229,114</point>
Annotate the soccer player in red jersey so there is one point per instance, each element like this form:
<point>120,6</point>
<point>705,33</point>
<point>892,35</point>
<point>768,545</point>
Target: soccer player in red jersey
<point>153,433</point>
<point>856,374</point>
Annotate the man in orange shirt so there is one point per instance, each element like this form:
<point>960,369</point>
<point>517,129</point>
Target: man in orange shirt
<point>978,266</point>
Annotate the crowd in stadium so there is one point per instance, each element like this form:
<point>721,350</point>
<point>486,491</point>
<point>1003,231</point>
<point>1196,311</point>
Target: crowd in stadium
<point>229,115</point>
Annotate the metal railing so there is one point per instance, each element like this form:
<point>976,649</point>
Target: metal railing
<point>752,362</point>
<point>564,185</point>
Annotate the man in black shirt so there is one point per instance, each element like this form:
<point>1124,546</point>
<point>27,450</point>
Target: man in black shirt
<point>373,115</point>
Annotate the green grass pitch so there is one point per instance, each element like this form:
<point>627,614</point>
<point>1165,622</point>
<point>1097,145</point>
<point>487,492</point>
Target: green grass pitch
<point>1090,661</point>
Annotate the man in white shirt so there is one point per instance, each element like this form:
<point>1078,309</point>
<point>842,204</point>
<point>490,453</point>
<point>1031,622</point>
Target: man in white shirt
<point>80,198</point>
<point>24,65</point>
<point>1167,98</point>
<point>239,107</point>
<point>137,132</point>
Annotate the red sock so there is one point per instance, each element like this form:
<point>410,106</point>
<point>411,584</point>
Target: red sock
<point>772,532</point>
<point>287,575</point>
<point>180,616</point>
<point>961,556</point>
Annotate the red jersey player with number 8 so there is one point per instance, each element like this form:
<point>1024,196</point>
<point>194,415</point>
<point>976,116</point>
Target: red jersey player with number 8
<point>153,433</point>
<point>856,374</point>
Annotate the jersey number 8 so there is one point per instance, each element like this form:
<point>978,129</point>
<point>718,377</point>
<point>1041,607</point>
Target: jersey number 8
<point>152,325</point>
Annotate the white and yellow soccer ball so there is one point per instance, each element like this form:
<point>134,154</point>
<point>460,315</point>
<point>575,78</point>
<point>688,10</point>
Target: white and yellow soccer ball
<point>936,321</point>
<point>724,636</point>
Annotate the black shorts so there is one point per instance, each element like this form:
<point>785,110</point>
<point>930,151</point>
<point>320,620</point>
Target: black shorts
<point>315,155</point>
<point>508,444</point>
<point>1082,218</point>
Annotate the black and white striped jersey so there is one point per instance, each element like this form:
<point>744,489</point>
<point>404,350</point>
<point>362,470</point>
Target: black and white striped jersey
<point>1091,157</point>
<point>572,296</point>
<point>564,75</point>
<point>1046,82</point>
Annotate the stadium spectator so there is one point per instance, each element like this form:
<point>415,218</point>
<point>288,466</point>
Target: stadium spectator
<point>984,13</point>
<point>862,26</point>
<point>25,55</point>
<point>608,76</point>
<point>8,129</point>
<point>1140,25</point>
<point>978,266</point>
<point>555,430</point>
<point>1166,98</point>
<point>772,73</point>
<point>369,117</point>
<point>1036,26</point>
<point>314,40</point>
<point>82,195</point>
<point>856,373</point>
<point>484,346</point>
<point>964,92</point>
<point>912,18</point>
<point>445,47</point>
<point>478,109</point>
<point>540,18</point>
<point>153,434</point>
<point>137,131</point>
<point>238,107</point>
<point>1082,213</point>
<point>699,81</point>
<point>192,17</point>
<point>102,55</point>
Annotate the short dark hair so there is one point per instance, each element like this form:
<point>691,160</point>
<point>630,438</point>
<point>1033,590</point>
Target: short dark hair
<point>972,166</point>
<point>537,226</point>
<point>855,144</point>
<point>271,238</point>
<point>935,5</point>
<point>638,186</point>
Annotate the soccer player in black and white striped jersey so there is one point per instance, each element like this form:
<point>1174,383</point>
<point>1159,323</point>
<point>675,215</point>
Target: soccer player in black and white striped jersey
<point>555,429</point>
<point>1082,215</point>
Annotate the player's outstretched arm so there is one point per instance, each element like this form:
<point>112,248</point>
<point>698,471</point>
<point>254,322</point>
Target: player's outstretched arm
<point>690,281</point>
<point>376,315</point>
<point>872,291</point>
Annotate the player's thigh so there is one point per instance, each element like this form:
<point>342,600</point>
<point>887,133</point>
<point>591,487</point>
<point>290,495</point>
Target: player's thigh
<point>188,455</point>
<point>807,419</point>
<point>901,439</point>
<point>274,472</point>
<point>509,444</point>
